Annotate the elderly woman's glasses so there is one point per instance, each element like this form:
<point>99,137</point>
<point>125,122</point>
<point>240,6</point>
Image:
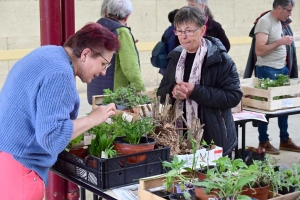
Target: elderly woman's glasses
<point>186,32</point>
<point>108,64</point>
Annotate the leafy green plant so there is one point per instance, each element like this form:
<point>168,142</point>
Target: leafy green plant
<point>228,179</point>
<point>125,96</point>
<point>175,175</point>
<point>265,83</point>
<point>103,142</point>
<point>135,130</point>
<point>228,185</point>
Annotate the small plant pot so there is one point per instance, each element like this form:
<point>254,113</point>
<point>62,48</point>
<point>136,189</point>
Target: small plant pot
<point>201,173</point>
<point>124,148</point>
<point>286,190</point>
<point>200,193</point>
<point>79,152</point>
<point>121,107</point>
<point>91,162</point>
<point>162,193</point>
<point>258,193</point>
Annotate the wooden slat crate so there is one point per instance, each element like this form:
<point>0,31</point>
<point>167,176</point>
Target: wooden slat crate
<point>149,183</point>
<point>270,104</point>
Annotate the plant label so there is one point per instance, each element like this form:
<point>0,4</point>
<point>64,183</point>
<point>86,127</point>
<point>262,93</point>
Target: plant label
<point>88,138</point>
<point>287,102</point>
<point>127,117</point>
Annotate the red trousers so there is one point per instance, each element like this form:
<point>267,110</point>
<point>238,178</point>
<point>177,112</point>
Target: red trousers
<point>18,182</point>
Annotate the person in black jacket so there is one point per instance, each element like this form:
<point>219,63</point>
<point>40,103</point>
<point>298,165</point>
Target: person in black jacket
<point>169,36</point>
<point>202,76</point>
<point>213,28</point>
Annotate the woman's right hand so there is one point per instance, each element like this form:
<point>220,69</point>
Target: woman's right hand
<point>100,114</point>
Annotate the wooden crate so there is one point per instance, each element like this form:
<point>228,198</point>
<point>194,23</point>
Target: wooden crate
<point>152,182</point>
<point>290,196</point>
<point>270,104</point>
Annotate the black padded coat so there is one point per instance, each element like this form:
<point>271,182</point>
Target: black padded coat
<point>218,92</point>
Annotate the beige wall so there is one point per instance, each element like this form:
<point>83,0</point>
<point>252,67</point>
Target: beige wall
<point>19,25</point>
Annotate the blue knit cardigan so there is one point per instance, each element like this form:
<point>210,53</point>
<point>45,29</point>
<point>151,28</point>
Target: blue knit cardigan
<point>38,102</point>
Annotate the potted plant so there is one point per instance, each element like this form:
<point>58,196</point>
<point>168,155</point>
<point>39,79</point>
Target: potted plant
<point>134,137</point>
<point>226,180</point>
<point>202,170</point>
<point>102,144</point>
<point>178,180</point>
<point>125,97</point>
<point>266,177</point>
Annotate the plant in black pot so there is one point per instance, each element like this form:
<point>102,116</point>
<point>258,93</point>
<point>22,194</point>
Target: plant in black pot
<point>291,179</point>
<point>134,137</point>
<point>125,97</point>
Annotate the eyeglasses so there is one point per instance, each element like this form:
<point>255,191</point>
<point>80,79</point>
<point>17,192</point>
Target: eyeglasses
<point>186,32</point>
<point>290,11</point>
<point>108,64</point>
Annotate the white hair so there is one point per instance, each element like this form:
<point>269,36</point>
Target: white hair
<point>104,8</point>
<point>200,2</point>
<point>119,8</point>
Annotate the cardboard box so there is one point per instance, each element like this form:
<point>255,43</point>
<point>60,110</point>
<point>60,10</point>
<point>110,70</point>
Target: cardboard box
<point>271,104</point>
<point>202,156</point>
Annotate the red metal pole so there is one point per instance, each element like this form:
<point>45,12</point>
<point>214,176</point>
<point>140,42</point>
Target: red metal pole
<point>50,31</point>
<point>67,19</point>
<point>68,29</point>
<point>56,189</point>
<point>50,22</point>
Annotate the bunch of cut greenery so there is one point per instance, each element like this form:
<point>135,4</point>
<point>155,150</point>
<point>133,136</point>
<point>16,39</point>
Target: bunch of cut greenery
<point>125,96</point>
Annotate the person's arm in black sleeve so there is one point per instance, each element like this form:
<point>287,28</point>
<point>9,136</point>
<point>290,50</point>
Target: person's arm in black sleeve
<point>227,94</point>
<point>222,36</point>
<point>168,81</point>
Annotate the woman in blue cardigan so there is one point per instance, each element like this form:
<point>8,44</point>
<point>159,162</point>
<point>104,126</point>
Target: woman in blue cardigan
<point>39,106</point>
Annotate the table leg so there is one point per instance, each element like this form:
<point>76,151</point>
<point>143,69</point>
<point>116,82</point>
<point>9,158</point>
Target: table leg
<point>243,140</point>
<point>95,197</point>
<point>82,193</point>
<point>236,151</point>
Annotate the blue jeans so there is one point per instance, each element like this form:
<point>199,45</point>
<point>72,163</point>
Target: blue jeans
<point>268,72</point>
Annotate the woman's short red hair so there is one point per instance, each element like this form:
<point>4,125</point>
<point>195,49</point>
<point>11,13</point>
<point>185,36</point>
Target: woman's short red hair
<point>95,37</point>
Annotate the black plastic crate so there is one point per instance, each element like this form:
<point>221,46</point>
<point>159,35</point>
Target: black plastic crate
<point>112,172</point>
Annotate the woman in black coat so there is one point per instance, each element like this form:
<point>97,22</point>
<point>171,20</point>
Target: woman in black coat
<point>202,76</point>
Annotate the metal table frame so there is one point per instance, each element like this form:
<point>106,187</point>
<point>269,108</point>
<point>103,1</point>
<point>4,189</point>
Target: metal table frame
<point>84,187</point>
<point>268,115</point>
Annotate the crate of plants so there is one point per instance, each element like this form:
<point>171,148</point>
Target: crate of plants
<point>266,94</point>
<point>125,98</point>
<point>119,154</point>
<point>228,179</point>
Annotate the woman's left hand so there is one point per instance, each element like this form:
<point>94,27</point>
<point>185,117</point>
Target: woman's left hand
<point>182,90</point>
<point>187,88</point>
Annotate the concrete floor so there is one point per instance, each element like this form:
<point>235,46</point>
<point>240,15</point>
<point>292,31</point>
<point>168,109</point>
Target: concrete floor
<point>251,136</point>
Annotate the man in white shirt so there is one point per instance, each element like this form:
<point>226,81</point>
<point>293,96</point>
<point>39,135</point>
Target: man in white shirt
<point>270,48</point>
